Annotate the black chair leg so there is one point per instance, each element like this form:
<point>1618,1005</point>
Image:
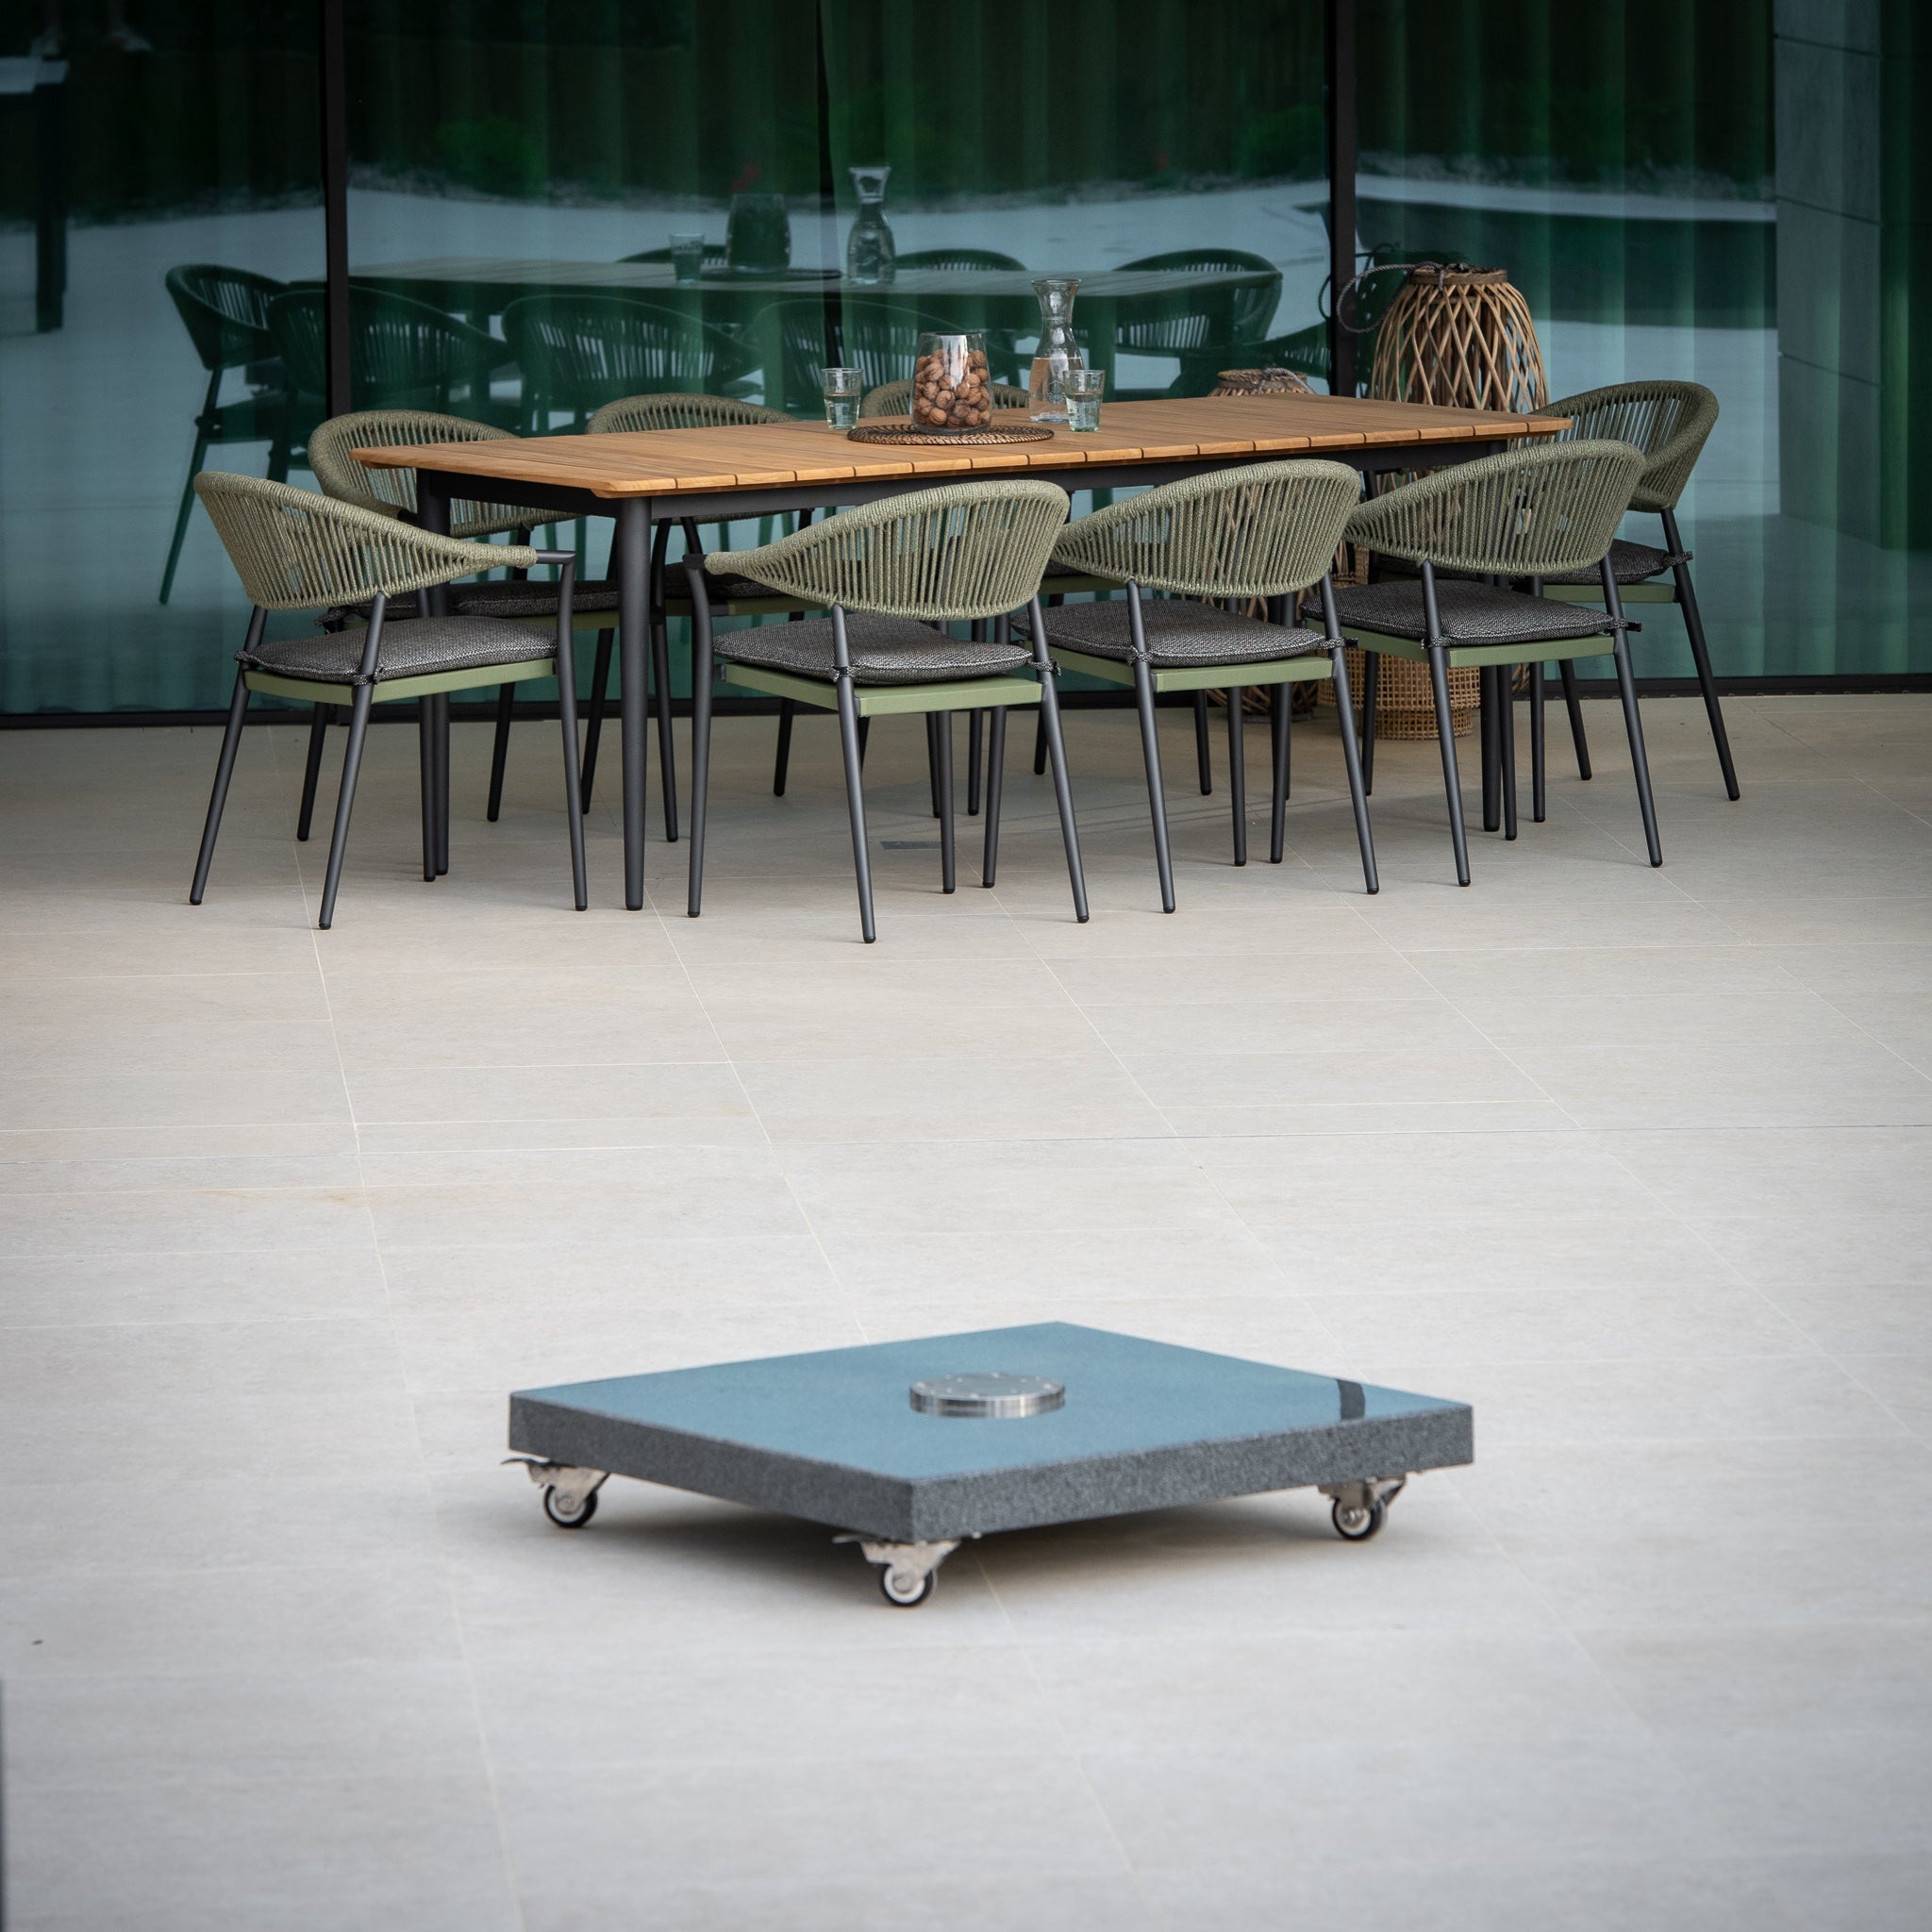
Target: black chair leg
<point>1489,722</point>
<point>864,738</point>
<point>345,801</point>
<point>186,510</point>
<point>1157,799</point>
<point>1203,764</point>
<point>854,804</point>
<point>499,749</point>
<point>1633,725</point>
<point>1352,764</point>
<point>700,774</point>
<point>1372,682</point>
<point>1506,743</point>
<point>600,698</point>
<point>1237,773</point>
<point>1452,780</point>
<point>1063,797</point>
<point>572,780</point>
<point>667,752</point>
<point>995,784</point>
<point>425,774</point>
<point>1573,705</point>
<point>932,759</point>
<point>949,852</point>
<point>975,752</point>
<point>1700,656</point>
<point>781,763</point>
<point>1280,725</point>
<point>1539,767</point>
<point>441,700</point>
<point>311,771</point>
<point>218,798</point>
<point>1040,744</point>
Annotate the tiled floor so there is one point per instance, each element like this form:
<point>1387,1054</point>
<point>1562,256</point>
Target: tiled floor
<point>1636,1161</point>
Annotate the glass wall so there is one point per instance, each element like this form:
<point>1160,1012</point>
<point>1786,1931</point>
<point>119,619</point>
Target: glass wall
<point>1702,193</point>
<point>158,189</point>
<point>1678,191</point>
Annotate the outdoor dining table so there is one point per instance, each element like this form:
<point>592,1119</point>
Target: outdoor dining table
<point>717,475</point>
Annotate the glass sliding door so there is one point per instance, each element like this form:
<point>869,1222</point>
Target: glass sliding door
<point>158,187</point>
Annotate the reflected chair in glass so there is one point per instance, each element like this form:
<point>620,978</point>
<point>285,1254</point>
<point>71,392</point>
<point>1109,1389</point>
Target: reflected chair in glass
<point>392,492</point>
<point>1537,513</point>
<point>732,596</point>
<point>1190,319</point>
<point>402,354</point>
<point>226,313</point>
<point>580,351</point>
<point>1670,422</point>
<point>294,550</point>
<point>876,334</point>
<point>891,575</point>
<point>1264,530</point>
<point>1002,344</point>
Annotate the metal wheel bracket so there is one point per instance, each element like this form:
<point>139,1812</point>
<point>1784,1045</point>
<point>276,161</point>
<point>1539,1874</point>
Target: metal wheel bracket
<point>913,1561</point>
<point>1364,1495</point>
<point>574,1486</point>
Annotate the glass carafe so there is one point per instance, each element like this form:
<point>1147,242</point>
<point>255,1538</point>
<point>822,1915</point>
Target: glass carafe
<point>1058,351</point>
<point>870,252</point>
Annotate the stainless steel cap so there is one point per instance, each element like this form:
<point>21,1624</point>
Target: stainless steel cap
<point>988,1394</point>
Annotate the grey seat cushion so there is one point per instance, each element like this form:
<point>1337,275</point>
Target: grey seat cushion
<point>1630,563</point>
<point>1472,614</point>
<point>1180,634</point>
<point>884,650</point>
<point>414,647</point>
<point>721,587</point>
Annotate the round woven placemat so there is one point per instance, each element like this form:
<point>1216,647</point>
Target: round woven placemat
<point>878,432</point>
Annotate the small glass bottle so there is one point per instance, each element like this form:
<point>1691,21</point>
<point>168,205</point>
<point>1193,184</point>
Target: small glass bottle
<point>869,250</point>
<point>1057,350</point>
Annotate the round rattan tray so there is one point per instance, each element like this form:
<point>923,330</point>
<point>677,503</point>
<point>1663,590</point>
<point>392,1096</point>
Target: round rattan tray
<point>892,432</point>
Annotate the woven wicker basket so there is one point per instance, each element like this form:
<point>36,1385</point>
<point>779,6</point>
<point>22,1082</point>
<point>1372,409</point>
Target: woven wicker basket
<point>1262,382</point>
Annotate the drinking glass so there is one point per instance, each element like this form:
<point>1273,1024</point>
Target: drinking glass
<point>687,256</point>
<point>1082,389</point>
<point>843,389</point>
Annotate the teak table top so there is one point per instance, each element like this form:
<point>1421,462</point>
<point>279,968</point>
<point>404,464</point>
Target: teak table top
<point>668,462</point>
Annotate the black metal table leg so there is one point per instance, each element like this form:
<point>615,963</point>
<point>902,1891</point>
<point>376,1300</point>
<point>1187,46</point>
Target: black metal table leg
<point>630,550</point>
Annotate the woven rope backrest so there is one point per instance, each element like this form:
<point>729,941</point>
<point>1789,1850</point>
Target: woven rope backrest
<point>576,347</point>
<point>675,411</point>
<point>1534,513</point>
<point>895,398</point>
<point>961,552</point>
<point>397,347</point>
<point>294,550</point>
<point>224,309</point>
<point>392,492</point>
<point>877,337</point>
<point>1188,319</point>
<point>1258,531</point>
<point>1670,422</point>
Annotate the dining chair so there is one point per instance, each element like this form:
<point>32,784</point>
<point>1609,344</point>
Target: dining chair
<point>224,311</point>
<point>580,350</point>
<point>295,549</point>
<point>891,574</point>
<point>1188,320</point>
<point>1264,530</point>
<point>876,334</point>
<point>960,257</point>
<point>1536,513</point>
<point>403,354</point>
<point>392,492</point>
<point>1670,422</point>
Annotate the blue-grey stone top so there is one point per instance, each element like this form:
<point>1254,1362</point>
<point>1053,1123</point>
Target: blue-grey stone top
<point>832,1436</point>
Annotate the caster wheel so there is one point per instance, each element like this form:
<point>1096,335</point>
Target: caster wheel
<point>565,1518</point>
<point>1358,1526</point>
<point>906,1589</point>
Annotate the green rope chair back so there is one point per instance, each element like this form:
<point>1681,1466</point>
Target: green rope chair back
<point>224,311</point>
<point>959,553</point>
<point>895,398</point>
<point>1533,513</point>
<point>392,492</point>
<point>960,257</point>
<point>1165,325</point>
<point>581,351</point>
<point>294,550</point>
<point>1258,531</point>
<point>399,350</point>
<point>1670,422</point>
<point>677,411</point>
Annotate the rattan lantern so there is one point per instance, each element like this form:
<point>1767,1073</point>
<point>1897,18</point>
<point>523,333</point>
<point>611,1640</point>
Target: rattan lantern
<point>1460,335</point>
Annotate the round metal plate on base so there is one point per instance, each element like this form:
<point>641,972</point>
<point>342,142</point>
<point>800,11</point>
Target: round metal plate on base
<point>991,1394</point>
<point>894,432</point>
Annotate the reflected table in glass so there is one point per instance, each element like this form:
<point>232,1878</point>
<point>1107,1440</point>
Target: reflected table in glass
<point>838,1437</point>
